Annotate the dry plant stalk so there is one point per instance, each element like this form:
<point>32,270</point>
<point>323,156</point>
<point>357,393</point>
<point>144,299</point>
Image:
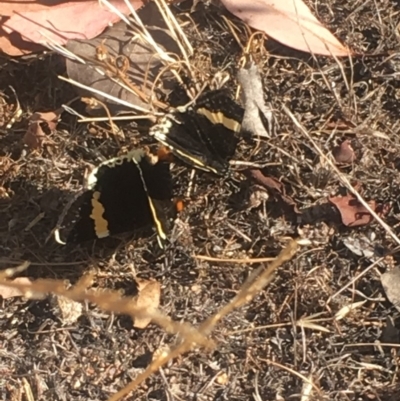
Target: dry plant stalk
<point>107,300</point>
<point>112,301</point>
<point>260,278</point>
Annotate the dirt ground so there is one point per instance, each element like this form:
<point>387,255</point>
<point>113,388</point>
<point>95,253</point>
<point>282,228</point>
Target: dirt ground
<point>268,349</point>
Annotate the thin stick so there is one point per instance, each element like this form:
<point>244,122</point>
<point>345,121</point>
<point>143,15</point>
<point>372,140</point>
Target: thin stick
<point>227,260</point>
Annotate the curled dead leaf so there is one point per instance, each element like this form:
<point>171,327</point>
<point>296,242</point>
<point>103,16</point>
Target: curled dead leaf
<point>353,213</point>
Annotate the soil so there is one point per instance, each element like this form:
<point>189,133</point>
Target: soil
<point>290,333</point>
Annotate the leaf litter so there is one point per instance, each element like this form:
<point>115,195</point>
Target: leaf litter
<point>325,279</point>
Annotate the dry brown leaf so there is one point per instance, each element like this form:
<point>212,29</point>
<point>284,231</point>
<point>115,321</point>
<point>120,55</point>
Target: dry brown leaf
<point>289,22</point>
<point>30,23</point>
<point>14,45</point>
<point>50,118</point>
<point>10,292</point>
<point>148,299</point>
<point>353,213</point>
<point>344,153</point>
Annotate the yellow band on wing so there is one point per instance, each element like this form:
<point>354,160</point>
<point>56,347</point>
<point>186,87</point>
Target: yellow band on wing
<point>100,223</point>
<point>218,117</point>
